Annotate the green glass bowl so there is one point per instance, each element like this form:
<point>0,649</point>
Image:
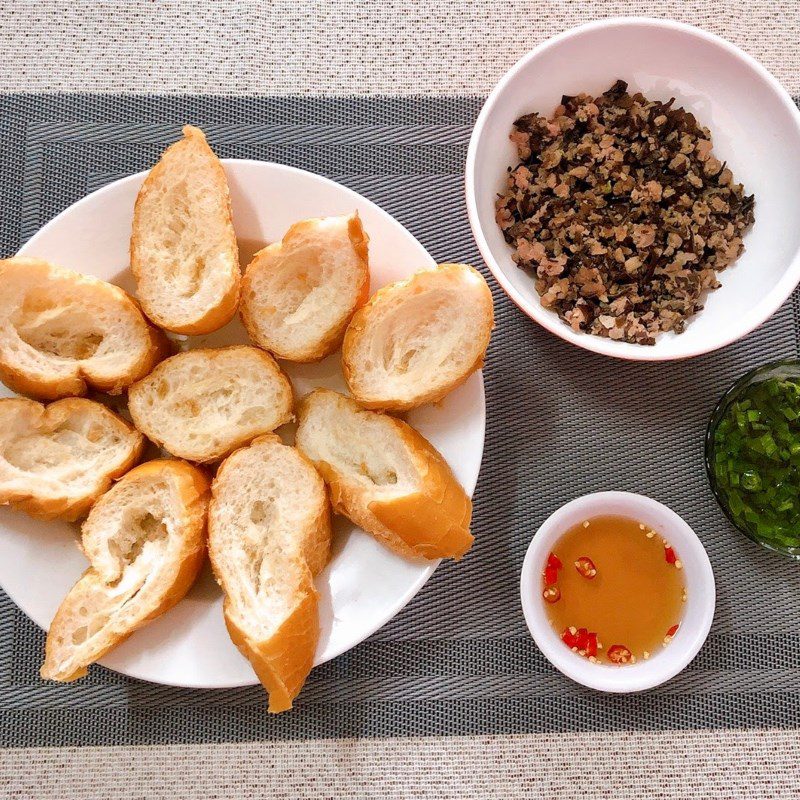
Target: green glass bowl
<point>789,368</point>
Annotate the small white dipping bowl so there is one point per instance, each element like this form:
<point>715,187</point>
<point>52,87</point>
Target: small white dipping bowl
<point>698,609</point>
<point>755,128</point>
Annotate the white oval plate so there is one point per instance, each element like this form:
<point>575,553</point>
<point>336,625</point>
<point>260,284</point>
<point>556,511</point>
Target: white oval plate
<point>365,584</point>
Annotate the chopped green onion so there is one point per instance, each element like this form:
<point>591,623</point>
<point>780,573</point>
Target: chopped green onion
<point>756,460</point>
<point>750,480</point>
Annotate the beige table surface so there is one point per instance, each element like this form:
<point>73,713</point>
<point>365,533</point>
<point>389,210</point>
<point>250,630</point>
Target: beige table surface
<point>430,47</point>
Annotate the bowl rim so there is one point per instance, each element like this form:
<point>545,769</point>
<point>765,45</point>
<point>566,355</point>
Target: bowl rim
<point>550,321</point>
<point>642,675</point>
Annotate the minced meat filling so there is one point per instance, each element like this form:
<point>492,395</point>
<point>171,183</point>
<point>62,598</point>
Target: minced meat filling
<point>622,212</point>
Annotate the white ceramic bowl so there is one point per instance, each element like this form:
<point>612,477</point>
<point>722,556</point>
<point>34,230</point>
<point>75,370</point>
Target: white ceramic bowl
<point>755,128</point>
<point>698,610</point>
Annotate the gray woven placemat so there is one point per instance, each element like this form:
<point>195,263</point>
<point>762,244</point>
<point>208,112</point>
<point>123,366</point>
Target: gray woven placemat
<point>561,422</point>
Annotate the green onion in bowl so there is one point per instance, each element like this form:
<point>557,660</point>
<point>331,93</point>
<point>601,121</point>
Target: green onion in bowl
<point>753,455</point>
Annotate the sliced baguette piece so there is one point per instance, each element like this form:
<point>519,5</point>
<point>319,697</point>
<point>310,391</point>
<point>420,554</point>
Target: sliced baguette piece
<point>299,294</point>
<point>385,477</point>
<point>203,404</point>
<point>145,541</point>
<point>62,332</point>
<point>56,460</point>
<point>183,247</point>
<point>269,535</point>
<point>418,339</point>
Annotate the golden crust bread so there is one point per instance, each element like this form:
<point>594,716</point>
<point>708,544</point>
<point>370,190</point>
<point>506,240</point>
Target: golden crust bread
<point>203,404</point>
<point>402,491</point>
<point>418,339</point>
<point>145,541</point>
<point>439,509</point>
<point>282,662</point>
<point>269,535</point>
<point>62,332</point>
<point>184,253</point>
<point>56,460</point>
<point>299,294</point>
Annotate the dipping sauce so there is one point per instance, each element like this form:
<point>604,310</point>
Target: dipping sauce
<point>614,590</point>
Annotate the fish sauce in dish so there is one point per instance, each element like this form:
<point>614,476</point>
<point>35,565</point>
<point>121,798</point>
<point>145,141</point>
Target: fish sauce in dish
<point>614,590</point>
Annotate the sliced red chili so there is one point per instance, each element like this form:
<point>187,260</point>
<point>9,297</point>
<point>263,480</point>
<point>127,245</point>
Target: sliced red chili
<point>669,554</point>
<point>586,567</point>
<point>550,576</point>
<point>582,640</point>
<point>673,630</point>
<point>569,638</point>
<point>551,594</point>
<point>554,561</point>
<point>619,654</point>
